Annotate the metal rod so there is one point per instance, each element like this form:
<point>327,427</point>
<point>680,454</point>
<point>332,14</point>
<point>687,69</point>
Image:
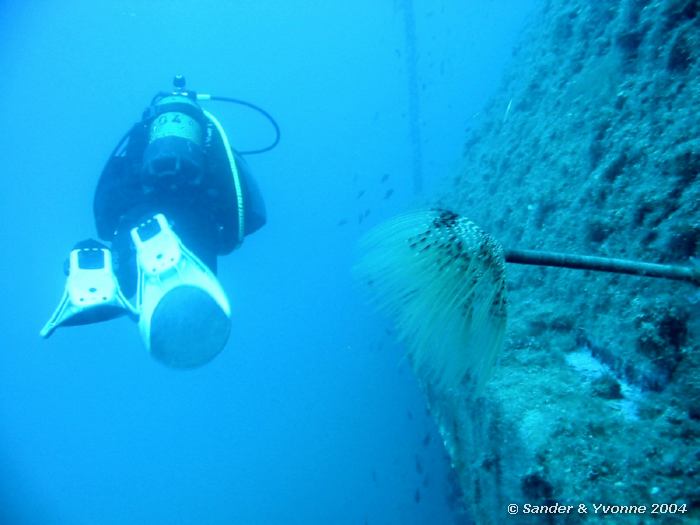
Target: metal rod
<point>604,264</point>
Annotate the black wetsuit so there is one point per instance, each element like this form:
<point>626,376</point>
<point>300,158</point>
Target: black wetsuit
<point>202,208</point>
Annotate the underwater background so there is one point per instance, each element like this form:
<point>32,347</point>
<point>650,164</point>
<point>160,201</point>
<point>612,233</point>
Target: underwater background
<point>311,414</point>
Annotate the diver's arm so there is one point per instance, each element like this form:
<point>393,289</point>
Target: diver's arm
<point>119,187</point>
<point>220,190</point>
<point>255,212</point>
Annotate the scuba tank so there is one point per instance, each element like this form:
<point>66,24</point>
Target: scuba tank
<point>176,129</point>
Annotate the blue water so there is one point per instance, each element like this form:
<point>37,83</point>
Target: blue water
<point>310,415</point>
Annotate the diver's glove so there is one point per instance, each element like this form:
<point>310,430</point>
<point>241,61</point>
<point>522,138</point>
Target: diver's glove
<point>184,312</point>
<point>92,292</point>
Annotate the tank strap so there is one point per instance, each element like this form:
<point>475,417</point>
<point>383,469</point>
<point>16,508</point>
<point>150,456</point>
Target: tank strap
<point>234,174</point>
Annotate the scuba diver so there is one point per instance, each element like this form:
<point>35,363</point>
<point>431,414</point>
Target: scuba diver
<point>172,198</point>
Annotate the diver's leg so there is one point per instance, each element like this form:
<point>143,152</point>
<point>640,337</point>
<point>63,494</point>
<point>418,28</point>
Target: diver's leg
<point>193,227</point>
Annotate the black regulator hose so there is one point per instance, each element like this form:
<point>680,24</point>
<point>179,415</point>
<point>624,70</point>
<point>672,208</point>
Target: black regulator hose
<point>179,86</point>
<point>260,110</point>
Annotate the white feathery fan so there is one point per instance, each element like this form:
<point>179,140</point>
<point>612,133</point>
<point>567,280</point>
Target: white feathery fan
<point>442,279</point>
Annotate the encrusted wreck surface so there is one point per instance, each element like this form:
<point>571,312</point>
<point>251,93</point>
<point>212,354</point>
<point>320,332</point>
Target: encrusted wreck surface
<point>591,146</point>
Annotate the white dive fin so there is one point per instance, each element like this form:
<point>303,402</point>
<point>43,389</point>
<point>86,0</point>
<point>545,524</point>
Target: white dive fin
<point>184,312</point>
<point>92,292</point>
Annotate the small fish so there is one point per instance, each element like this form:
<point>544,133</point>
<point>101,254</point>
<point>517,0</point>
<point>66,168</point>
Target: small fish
<point>366,212</point>
<point>385,177</point>
<point>426,481</point>
<point>419,465</point>
<point>426,439</point>
<point>416,496</point>
<point>374,475</point>
<point>388,193</point>
<point>342,222</point>
<point>360,194</point>
<point>409,414</point>
<point>360,218</point>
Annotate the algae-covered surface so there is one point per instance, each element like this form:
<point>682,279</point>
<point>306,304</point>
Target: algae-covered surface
<point>590,146</point>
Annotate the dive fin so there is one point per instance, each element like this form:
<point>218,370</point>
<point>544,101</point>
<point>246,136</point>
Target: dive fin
<point>184,312</point>
<point>92,292</point>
